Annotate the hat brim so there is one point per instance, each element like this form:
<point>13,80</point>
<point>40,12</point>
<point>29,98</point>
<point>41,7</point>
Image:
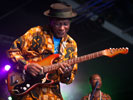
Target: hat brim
<point>73,14</point>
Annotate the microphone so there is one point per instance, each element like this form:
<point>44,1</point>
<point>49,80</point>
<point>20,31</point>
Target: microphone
<point>97,83</point>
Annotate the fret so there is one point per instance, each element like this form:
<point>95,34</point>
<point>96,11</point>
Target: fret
<point>48,68</point>
<point>81,58</point>
<point>92,55</point>
<point>51,67</point>
<point>57,65</point>
<point>85,57</point>
<point>77,60</point>
<point>95,55</point>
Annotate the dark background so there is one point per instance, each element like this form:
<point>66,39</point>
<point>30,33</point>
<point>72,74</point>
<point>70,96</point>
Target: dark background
<point>17,16</point>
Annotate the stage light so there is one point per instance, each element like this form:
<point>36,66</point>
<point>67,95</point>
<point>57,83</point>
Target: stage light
<point>7,67</point>
<point>9,98</point>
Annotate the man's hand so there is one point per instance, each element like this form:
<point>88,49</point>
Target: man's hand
<point>65,69</point>
<point>33,68</point>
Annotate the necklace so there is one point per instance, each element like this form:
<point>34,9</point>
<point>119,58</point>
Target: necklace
<point>99,93</point>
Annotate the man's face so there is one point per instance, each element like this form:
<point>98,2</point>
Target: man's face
<point>60,27</point>
<point>96,78</point>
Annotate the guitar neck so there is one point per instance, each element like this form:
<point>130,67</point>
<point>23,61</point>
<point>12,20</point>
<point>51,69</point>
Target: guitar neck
<point>84,58</point>
<point>74,60</point>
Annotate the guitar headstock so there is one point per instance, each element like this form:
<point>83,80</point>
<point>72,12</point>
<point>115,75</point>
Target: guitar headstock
<point>115,51</point>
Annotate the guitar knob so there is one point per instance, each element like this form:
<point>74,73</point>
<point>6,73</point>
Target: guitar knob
<point>24,88</point>
<point>16,81</point>
<point>28,85</point>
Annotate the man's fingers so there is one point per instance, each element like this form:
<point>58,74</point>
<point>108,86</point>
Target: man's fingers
<point>38,66</point>
<point>33,71</point>
<point>62,66</point>
<point>65,68</point>
<point>67,65</point>
<point>33,74</point>
<point>61,71</point>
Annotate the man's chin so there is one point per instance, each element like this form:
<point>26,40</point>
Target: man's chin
<point>60,36</point>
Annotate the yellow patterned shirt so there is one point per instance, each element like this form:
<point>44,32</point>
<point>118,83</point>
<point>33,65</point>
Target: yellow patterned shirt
<point>35,45</point>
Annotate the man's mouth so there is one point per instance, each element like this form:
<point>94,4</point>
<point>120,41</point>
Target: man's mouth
<point>61,33</point>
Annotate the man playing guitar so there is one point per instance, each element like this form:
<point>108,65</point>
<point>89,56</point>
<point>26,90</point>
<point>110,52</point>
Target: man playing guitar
<point>38,43</point>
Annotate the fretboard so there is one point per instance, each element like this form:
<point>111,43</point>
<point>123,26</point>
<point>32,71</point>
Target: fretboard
<point>74,60</point>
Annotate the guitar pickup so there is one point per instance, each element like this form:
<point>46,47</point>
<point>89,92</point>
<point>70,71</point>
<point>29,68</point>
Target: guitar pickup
<point>13,80</point>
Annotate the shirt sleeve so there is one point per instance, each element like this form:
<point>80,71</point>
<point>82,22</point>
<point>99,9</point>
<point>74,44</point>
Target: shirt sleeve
<point>70,78</point>
<point>19,50</point>
<point>15,54</point>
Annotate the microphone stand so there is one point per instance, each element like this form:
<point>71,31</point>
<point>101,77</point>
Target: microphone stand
<point>97,83</point>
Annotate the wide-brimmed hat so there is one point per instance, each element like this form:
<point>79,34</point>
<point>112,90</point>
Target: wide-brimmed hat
<point>60,10</point>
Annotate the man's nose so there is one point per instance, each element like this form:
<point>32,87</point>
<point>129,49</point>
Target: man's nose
<point>62,27</point>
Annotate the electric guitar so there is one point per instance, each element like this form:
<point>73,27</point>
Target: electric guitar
<point>20,84</point>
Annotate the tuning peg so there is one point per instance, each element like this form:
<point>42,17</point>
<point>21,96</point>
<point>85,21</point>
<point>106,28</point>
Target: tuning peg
<point>113,48</point>
<point>127,48</point>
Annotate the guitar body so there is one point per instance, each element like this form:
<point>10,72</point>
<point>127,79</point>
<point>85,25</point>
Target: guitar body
<point>20,84</point>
